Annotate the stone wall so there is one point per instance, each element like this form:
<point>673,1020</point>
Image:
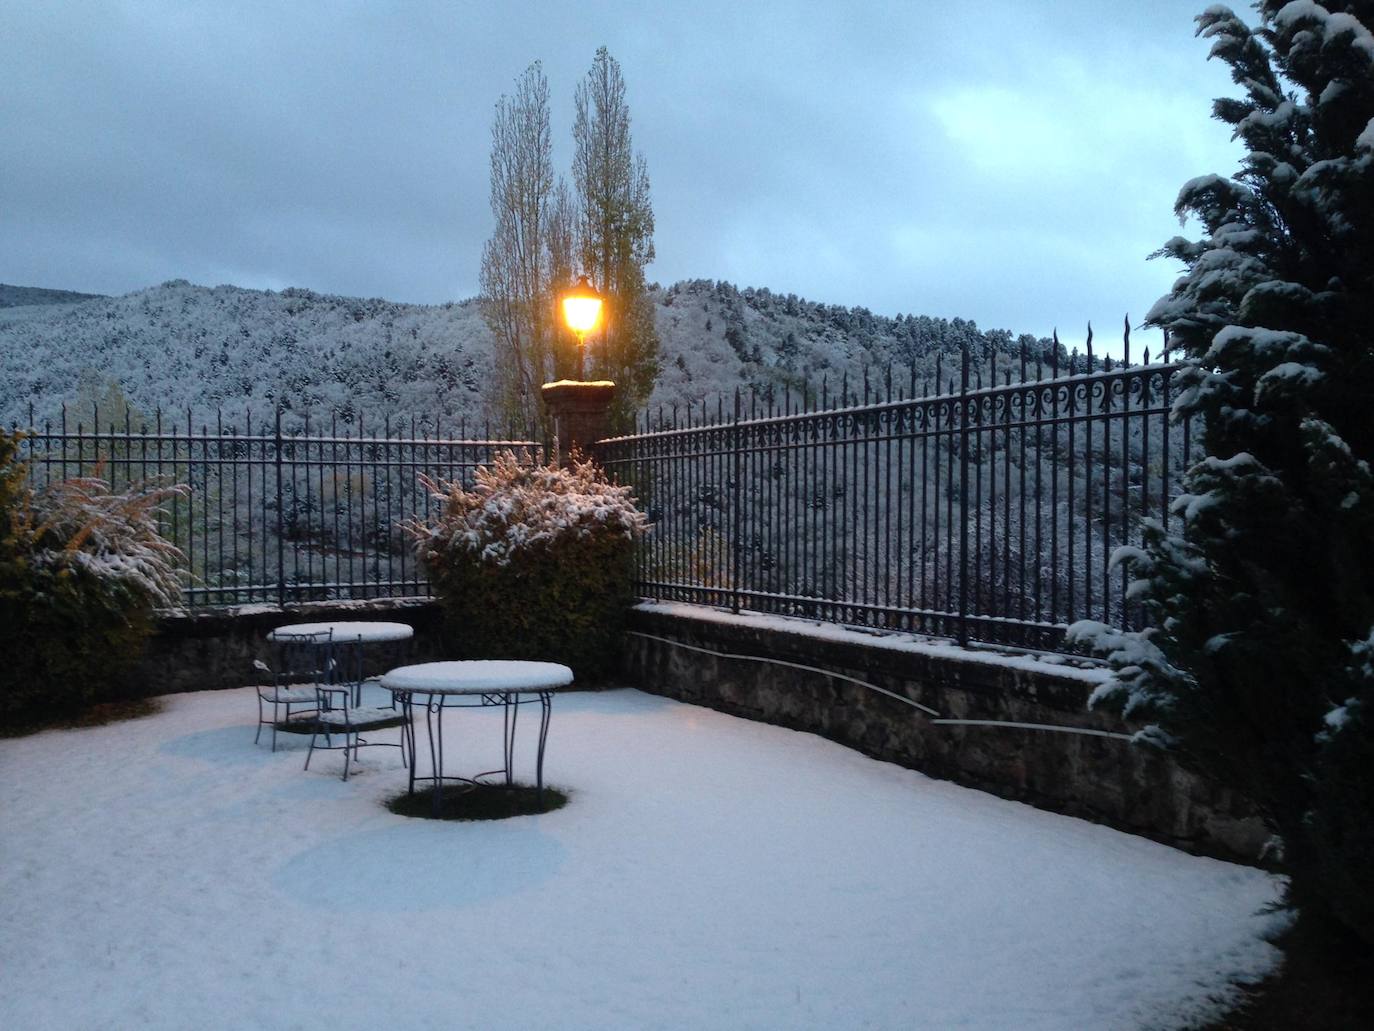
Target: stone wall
<point>1099,775</point>
<point>209,650</point>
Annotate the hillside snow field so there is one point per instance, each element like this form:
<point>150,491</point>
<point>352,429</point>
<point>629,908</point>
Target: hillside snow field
<point>178,345</point>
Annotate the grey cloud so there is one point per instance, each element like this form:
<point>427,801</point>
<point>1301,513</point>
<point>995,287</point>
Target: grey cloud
<point>797,146</point>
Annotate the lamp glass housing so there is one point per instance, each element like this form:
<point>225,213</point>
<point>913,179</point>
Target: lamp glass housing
<point>581,307</point>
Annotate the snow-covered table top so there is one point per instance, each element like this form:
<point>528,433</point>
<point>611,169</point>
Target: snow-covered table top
<point>478,676</point>
<point>346,631</point>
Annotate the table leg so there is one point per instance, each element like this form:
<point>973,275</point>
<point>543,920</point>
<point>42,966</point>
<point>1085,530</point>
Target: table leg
<point>545,711</point>
<point>434,713</point>
<point>408,737</point>
<point>511,714</point>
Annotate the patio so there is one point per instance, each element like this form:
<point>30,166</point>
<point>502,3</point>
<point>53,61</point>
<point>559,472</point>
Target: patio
<point>708,872</point>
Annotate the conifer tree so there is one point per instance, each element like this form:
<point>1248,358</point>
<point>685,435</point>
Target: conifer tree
<point>1259,667</point>
<point>616,233</point>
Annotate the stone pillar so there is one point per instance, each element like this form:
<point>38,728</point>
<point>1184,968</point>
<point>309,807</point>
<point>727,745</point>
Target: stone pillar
<point>580,412</point>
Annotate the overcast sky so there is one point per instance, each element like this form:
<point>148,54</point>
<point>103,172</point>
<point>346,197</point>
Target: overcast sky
<point>1009,162</point>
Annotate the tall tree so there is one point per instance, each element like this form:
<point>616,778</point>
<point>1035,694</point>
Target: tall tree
<point>515,265</point>
<point>561,242</point>
<point>616,232</point>
<point>1259,667</point>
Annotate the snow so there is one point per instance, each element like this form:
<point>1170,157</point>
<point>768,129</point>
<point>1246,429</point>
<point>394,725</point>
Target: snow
<point>477,675</point>
<point>1366,137</point>
<point>515,506</point>
<point>889,641</point>
<point>708,872</point>
<point>348,631</point>
<point>1339,716</point>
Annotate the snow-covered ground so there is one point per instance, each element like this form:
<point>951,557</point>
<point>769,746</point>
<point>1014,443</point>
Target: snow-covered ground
<point>708,872</point>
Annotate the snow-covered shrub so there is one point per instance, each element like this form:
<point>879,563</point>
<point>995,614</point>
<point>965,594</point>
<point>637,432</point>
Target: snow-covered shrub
<point>82,569</point>
<point>534,562</point>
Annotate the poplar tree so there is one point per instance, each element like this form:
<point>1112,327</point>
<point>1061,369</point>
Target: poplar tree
<point>615,234</point>
<point>515,266</point>
<point>561,243</point>
<point>1258,668</point>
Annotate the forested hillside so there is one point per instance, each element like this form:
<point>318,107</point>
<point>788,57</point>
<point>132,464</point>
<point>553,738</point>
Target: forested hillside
<point>177,345</point>
<point>21,296</point>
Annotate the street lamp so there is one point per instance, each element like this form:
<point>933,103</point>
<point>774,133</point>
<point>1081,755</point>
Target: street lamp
<point>581,308</point>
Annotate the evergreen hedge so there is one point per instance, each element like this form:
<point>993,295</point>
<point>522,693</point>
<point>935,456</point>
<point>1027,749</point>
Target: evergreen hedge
<point>535,562</point>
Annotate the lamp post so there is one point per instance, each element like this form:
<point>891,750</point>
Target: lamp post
<point>580,410</point>
<point>581,309</point>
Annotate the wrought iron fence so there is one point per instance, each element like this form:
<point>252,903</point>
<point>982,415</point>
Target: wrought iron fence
<point>273,514</point>
<point>977,509</point>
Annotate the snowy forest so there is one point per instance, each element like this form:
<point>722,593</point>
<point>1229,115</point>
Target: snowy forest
<point>863,510</point>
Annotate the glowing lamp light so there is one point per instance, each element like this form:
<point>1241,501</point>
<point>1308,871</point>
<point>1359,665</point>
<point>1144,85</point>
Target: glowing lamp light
<point>581,307</point>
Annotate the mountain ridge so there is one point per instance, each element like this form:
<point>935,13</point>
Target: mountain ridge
<point>177,345</point>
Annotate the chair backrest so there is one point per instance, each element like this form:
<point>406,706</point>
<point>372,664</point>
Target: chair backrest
<point>303,658</point>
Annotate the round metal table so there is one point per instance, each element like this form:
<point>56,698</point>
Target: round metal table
<point>345,640</point>
<point>476,683</point>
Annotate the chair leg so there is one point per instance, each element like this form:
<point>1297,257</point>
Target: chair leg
<point>309,754</point>
<point>259,733</point>
<point>345,752</point>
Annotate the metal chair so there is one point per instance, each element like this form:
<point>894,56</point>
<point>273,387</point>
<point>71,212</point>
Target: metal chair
<point>338,715</point>
<point>303,663</point>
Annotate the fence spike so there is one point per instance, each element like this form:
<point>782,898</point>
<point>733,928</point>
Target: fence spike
<point>844,390</point>
<point>1054,354</point>
<point>1147,356</point>
<point>1166,344</point>
<point>1090,347</point>
<point>1126,350</point>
